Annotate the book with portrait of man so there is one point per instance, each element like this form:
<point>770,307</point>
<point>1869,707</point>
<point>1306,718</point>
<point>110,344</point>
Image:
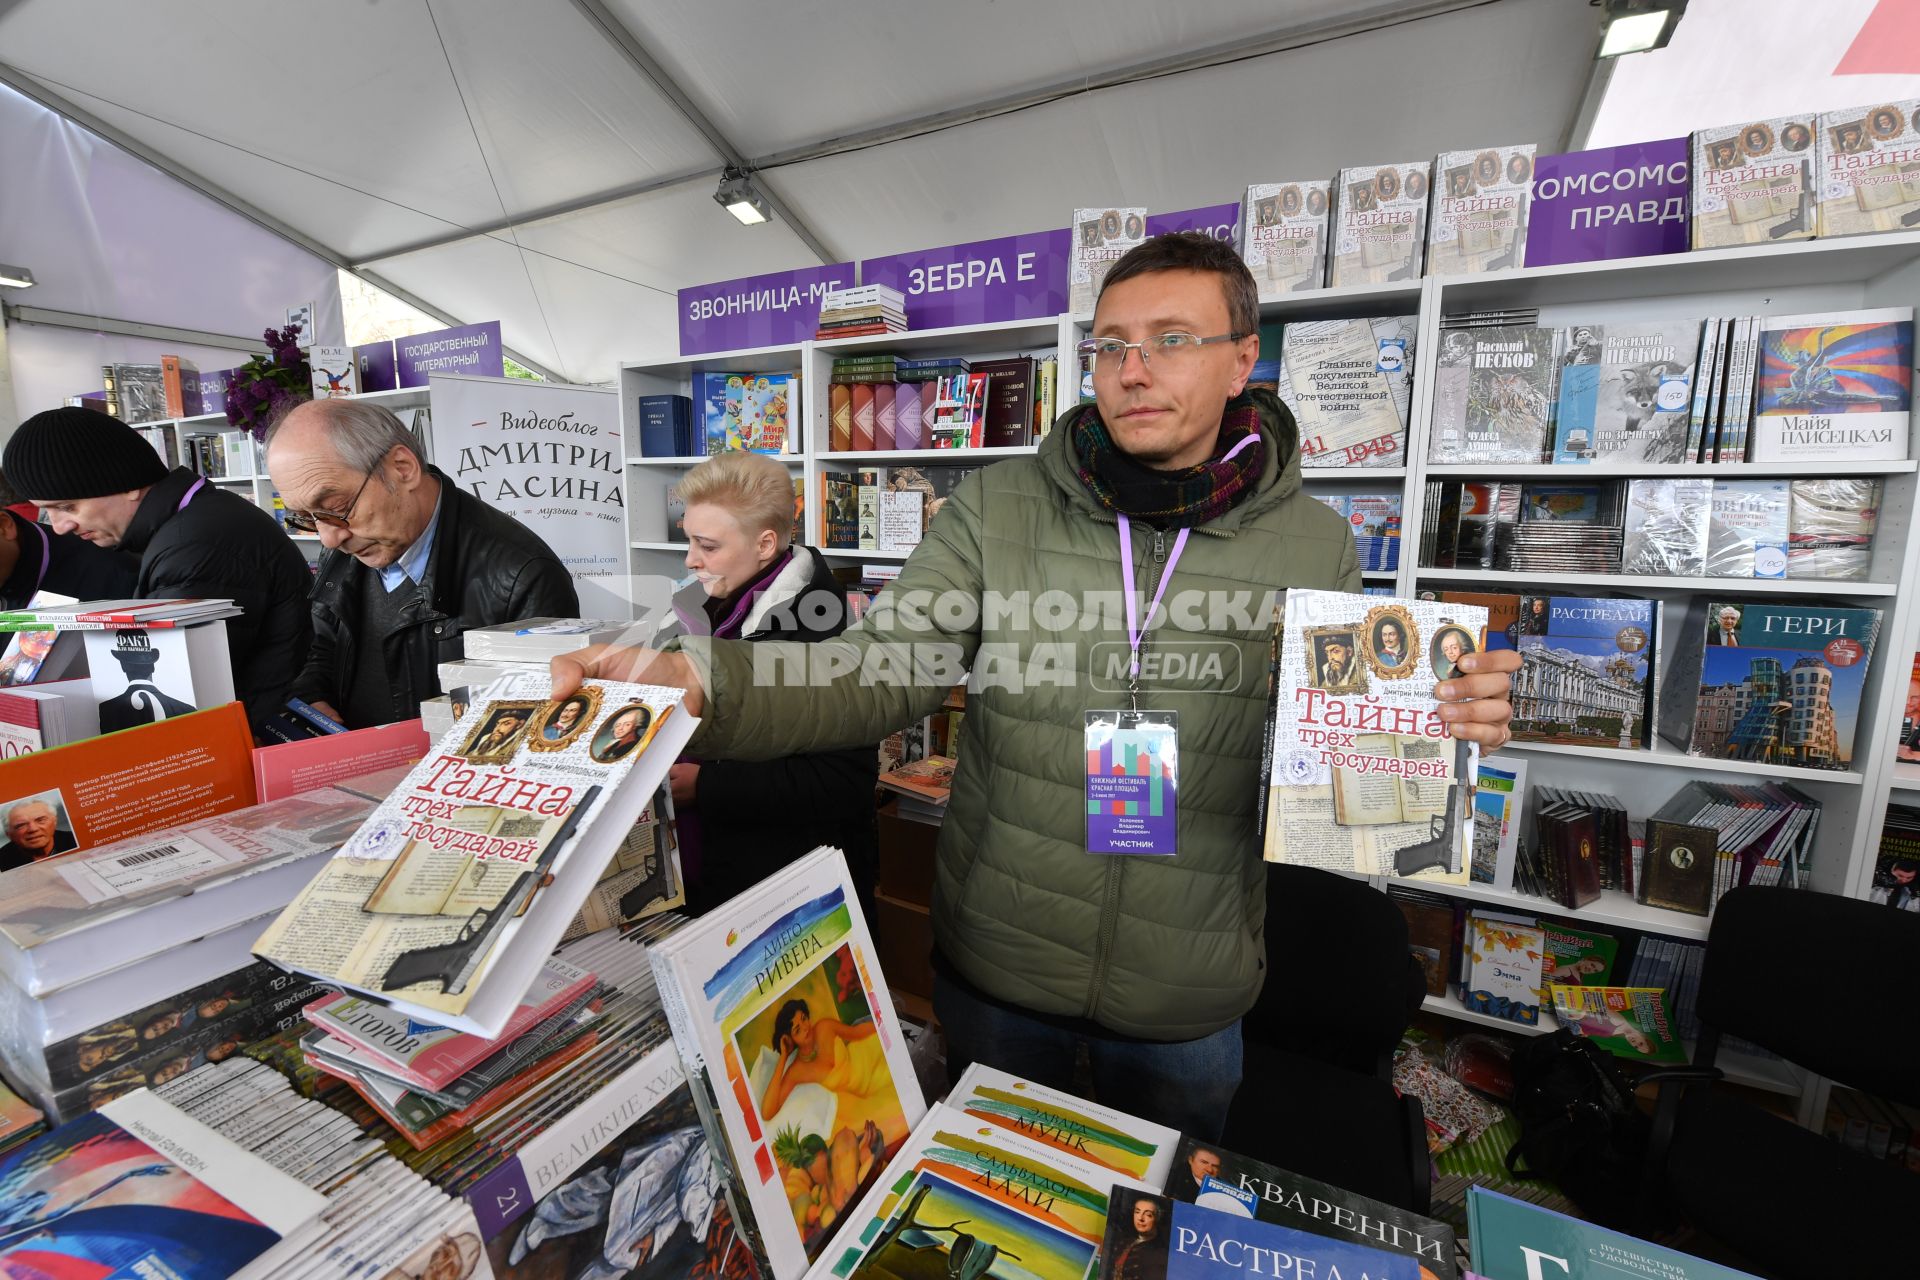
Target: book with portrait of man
<point>1755,182</point>
<point>1362,776</point>
<point>1288,1199</point>
<point>448,899</point>
<point>1870,168</point>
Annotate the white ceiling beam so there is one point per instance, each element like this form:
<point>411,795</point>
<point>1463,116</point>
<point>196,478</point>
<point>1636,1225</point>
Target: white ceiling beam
<point>28,87</point>
<point>19,314</point>
<point>616,34</point>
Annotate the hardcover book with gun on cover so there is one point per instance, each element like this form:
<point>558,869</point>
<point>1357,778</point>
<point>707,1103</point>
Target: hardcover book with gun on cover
<point>449,899</point>
<point>1361,775</point>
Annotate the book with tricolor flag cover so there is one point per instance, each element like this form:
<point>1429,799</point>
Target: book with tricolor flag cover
<point>1112,1139</point>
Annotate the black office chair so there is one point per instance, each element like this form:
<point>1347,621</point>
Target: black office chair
<point>1827,983</point>
<point>1317,1095</point>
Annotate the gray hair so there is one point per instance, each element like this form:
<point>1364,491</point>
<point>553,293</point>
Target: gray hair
<point>6,820</point>
<point>361,433</point>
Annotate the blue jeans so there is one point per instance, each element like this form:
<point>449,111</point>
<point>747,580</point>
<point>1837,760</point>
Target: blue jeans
<point>1186,1085</point>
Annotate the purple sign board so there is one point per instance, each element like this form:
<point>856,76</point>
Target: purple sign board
<point>985,282</point>
<point>781,309</point>
<point>374,360</point>
<point>472,349</point>
<point>1615,202</point>
<point>1217,220</point>
<point>213,390</point>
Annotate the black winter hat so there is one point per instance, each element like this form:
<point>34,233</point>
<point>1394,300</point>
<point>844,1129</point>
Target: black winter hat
<point>70,453</point>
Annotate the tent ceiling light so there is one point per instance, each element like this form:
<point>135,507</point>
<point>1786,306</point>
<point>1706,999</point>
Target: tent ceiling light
<point>1636,26</point>
<point>15,277</point>
<point>738,196</point>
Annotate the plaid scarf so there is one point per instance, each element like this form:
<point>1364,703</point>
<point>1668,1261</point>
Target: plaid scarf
<point>1181,498</point>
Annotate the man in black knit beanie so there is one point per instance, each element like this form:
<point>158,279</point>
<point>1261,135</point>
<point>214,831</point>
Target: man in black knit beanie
<point>94,476</point>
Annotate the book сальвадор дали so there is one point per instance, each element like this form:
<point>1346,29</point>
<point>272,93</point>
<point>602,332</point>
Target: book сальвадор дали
<point>447,902</point>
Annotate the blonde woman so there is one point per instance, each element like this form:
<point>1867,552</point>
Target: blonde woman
<point>743,820</point>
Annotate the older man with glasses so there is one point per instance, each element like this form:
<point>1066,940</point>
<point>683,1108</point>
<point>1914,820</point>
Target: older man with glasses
<point>411,564</point>
<point>92,475</point>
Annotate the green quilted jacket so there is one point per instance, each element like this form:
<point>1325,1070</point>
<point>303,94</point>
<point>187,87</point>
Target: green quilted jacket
<point>1164,948</point>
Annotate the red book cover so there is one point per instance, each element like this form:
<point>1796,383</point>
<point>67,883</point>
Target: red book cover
<point>1009,408</point>
<point>287,769</point>
<point>840,418</point>
<point>883,416</point>
<point>862,416</point>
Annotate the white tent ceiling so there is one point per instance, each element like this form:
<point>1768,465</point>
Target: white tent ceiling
<point>551,162</point>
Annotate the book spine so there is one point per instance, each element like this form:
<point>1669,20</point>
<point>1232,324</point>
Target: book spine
<point>840,418</point>
<point>906,416</point>
<point>869,501</point>
<point>706,1105</point>
<point>883,416</point>
<point>306,711</point>
<point>170,382</point>
<point>862,418</point>
<point>1702,380</point>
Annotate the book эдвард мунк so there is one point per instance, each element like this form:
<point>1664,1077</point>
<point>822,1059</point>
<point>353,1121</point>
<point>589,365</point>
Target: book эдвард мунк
<point>447,902</point>
<point>794,1053</point>
<point>1360,774</point>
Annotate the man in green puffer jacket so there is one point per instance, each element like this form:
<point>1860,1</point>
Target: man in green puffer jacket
<point>1041,945</point>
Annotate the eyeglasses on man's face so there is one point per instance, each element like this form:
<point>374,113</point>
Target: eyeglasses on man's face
<point>310,521</point>
<point>1167,349</point>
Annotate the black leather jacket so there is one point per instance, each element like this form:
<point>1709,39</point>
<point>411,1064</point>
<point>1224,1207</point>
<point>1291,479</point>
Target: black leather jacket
<point>485,568</point>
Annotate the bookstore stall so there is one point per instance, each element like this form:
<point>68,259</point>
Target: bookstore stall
<point>429,998</point>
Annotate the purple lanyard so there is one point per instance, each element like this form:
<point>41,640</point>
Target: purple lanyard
<point>192,489</point>
<point>1126,576</point>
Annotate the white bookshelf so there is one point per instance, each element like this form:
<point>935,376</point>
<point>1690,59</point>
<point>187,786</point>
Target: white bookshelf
<point>1802,276</point>
<point>255,485</point>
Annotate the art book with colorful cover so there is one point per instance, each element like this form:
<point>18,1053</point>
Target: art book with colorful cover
<point>1493,394</point>
<point>1100,238</point>
<point>1870,169</point>
<point>1128,1145</point>
<point>794,1053</point>
<point>1481,201</point>
<point>432,1057</point>
<point>1288,1199</point>
<point>1283,235</point>
<point>447,902</point>
<point>967,1197</point>
<point>1379,223</point>
<point>1586,673</point>
<point>1498,803</point>
<point>1515,1240</point>
<point>73,918</point>
<point>1626,392</point>
<point>1151,1237</point>
<point>1754,183</point>
<point>1769,683</point>
<point>140,1189</point>
<point>1834,387</point>
<point>1349,383</point>
<point>1629,1022</point>
<point>1364,777</point>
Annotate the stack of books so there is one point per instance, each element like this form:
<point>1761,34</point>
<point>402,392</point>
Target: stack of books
<point>1581,845</point>
<point>666,427</point>
<point>1375,521</point>
<point>1712,837</point>
<point>433,1084</point>
<point>861,310</point>
<point>923,786</point>
<point>125,965</point>
<point>377,1216</point>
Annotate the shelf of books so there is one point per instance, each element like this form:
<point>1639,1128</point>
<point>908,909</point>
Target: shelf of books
<point>1691,482</point>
